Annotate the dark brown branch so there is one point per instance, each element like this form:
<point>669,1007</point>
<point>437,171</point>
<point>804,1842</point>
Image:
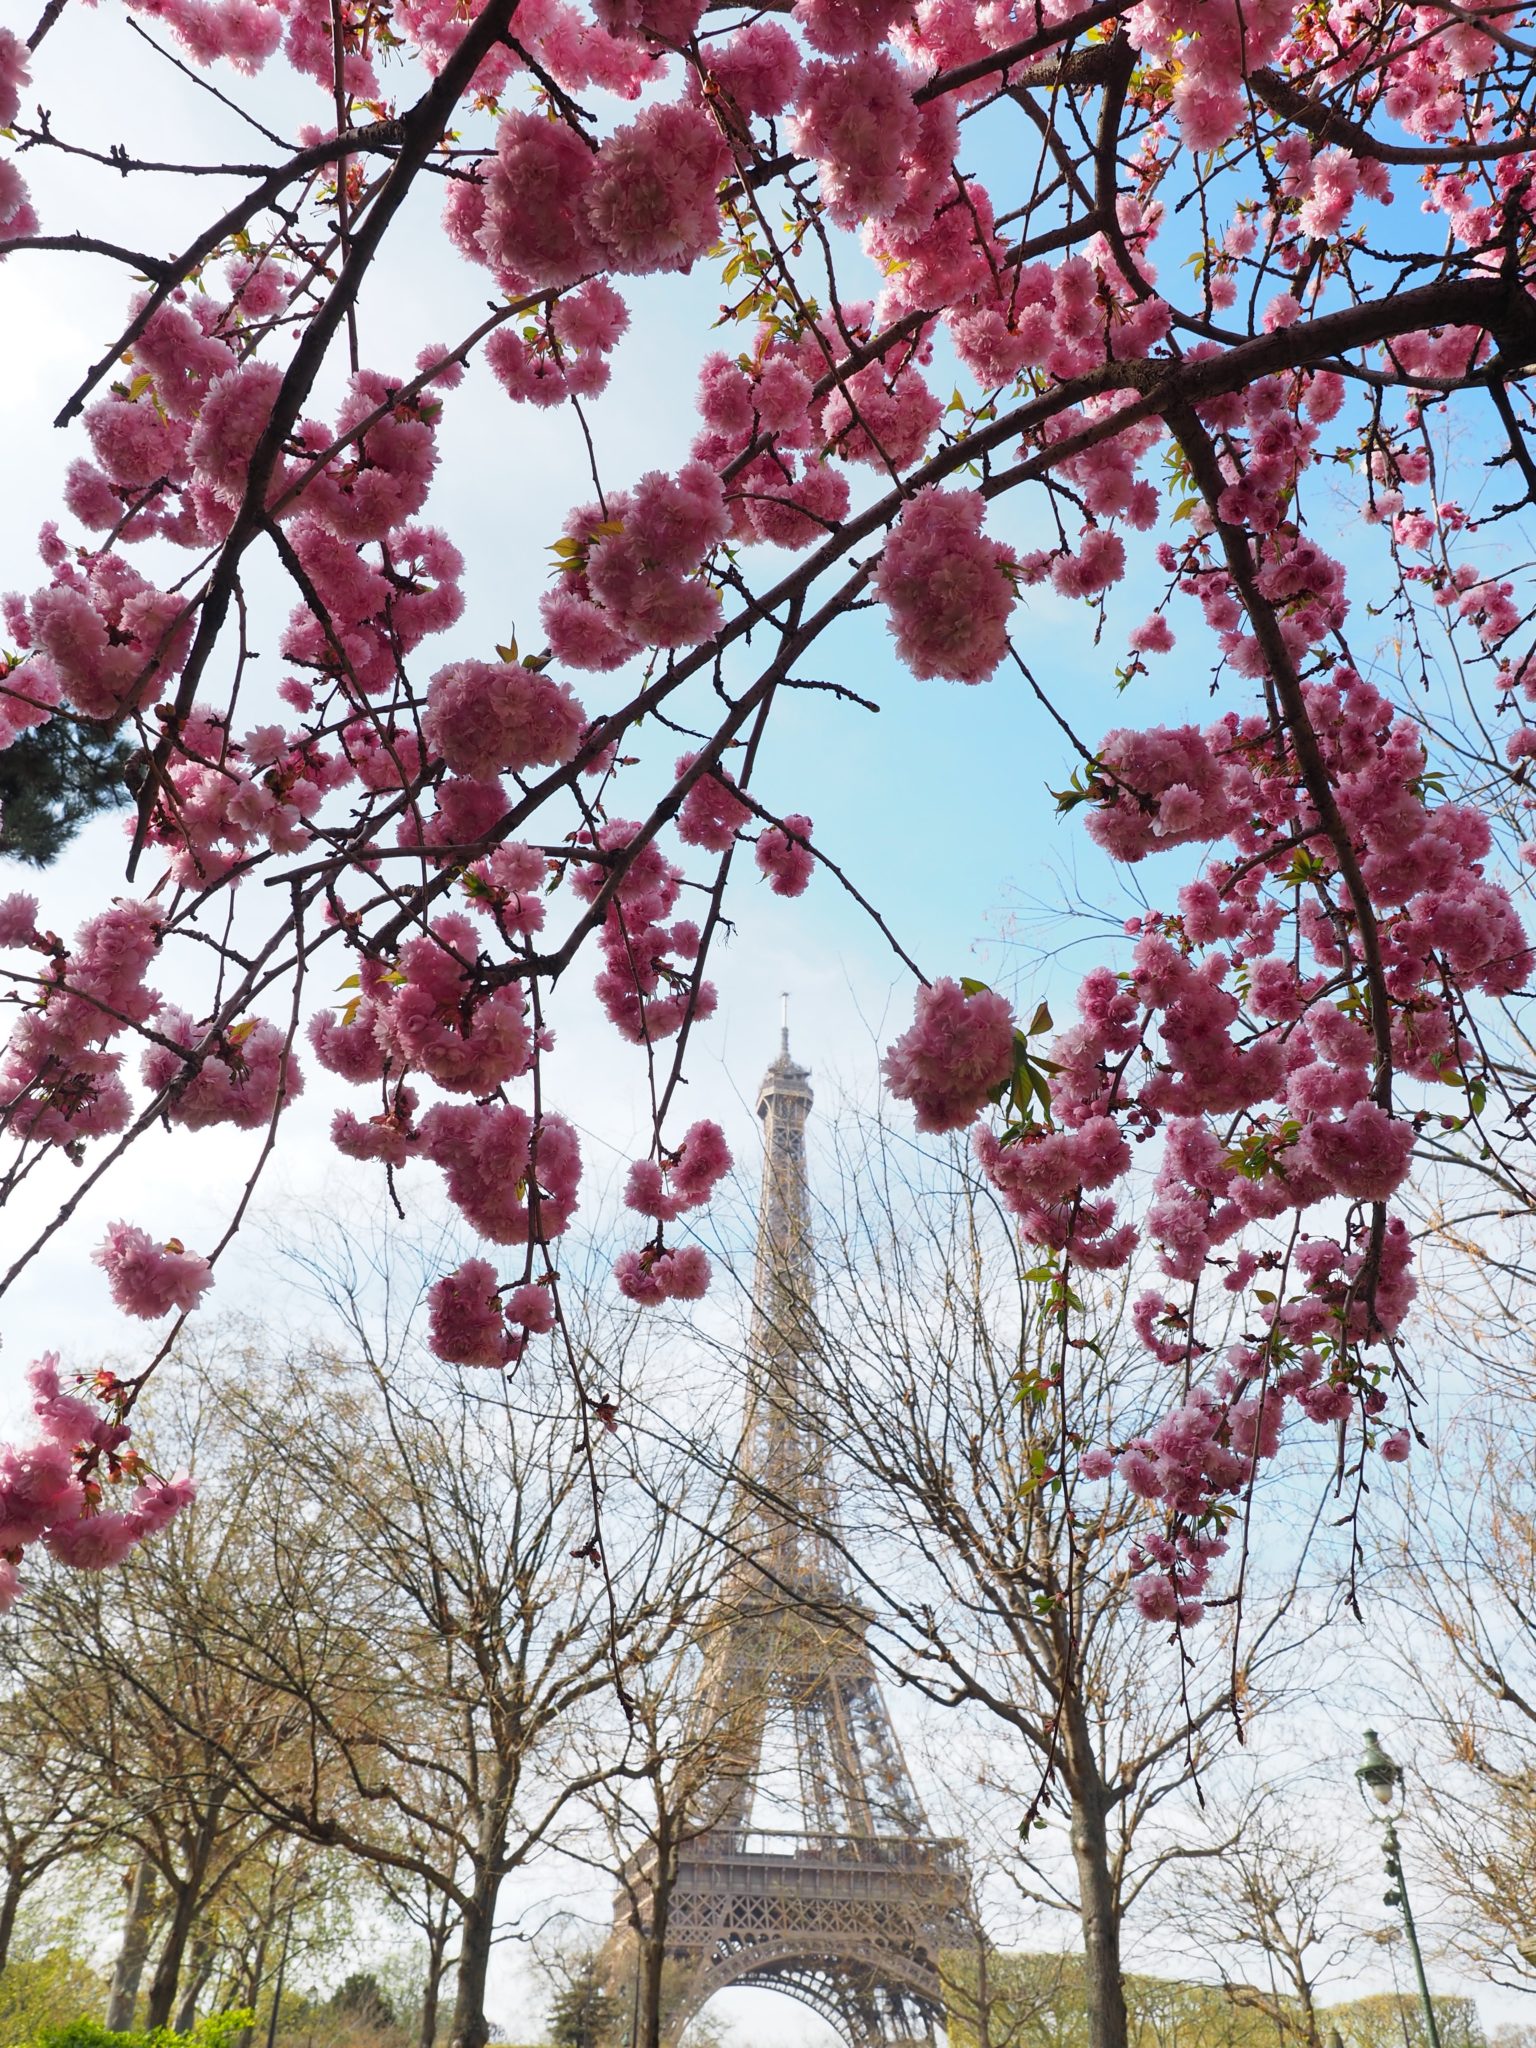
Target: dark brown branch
<point>416,133</point>
<point>87,245</point>
<point>378,136</point>
<point>1016,53</point>
<point>1281,96</point>
<point>46,19</point>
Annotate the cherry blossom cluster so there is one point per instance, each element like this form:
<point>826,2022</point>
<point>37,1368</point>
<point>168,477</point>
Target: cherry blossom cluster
<point>630,571</point>
<point>473,1320</point>
<point>1234,1106</point>
<point>54,1490</point>
<point>1259,1076</point>
<point>666,1188</point>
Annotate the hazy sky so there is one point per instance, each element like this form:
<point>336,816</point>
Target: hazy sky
<point>936,808</point>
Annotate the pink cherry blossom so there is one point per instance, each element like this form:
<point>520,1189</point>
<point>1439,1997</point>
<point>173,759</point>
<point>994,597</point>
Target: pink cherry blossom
<point>18,919</point>
<point>957,1051</point>
<point>683,1180</point>
<point>149,1279</point>
<point>783,857</point>
<point>489,718</point>
<point>711,813</point>
<point>857,122</point>
<point>649,1277</point>
<point>14,75</point>
<point>946,587</point>
<point>18,216</point>
<point>651,203</point>
<point>236,1079</point>
<point>465,1321</point>
<point>759,67</point>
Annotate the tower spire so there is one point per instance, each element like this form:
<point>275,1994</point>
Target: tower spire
<point>785,1447</point>
<point>785,1281</point>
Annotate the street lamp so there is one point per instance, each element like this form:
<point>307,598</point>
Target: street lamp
<point>1381,1781</point>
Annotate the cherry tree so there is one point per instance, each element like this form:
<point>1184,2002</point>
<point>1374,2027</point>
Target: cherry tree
<point>1180,263</point>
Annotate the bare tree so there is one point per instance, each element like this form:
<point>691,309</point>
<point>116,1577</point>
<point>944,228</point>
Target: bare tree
<point>689,1741</point>
<point>951,1381</point>
<point>1466,1581</point>
<point>443,1615</point>
<point>1273,1902</point>
<point>50,1810</point>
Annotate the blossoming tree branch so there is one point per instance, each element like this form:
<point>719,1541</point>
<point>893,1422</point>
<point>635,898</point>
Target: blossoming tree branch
<point>1217,242</point>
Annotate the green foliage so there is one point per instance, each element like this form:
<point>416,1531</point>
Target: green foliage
<point>1037,2000</point>
<point>212,2032</point>
<point>584,2014</point>
<point>1388,2021</point>
<point>40,1988</point>
<point>54,778</point>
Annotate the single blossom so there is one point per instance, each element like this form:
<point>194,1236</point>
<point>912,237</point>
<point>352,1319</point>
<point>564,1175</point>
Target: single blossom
<point>149,1279</point>
<point>957,1052</point>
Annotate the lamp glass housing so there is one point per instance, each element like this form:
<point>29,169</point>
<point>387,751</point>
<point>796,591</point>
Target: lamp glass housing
<point>1378,1777</point>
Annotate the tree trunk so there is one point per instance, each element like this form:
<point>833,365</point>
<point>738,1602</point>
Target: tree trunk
<point>437,1942</point>
<point>138,1925</point>
<point>1308,2011</point>
<point>188,1895</point>
<point>10,1905</point>
<point>1099,1909</point>
<point>253,1982</point>
<point>653,1939</point>
<point>653,1956</point>
<point>201,1970</point>
<point>983,1991</point>
<point>162,1986</point>
<point>469,2029</point>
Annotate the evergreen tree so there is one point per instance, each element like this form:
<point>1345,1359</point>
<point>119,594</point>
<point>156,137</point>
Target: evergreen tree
<point>364,1999</point>
<point>54,778</point>
<point>585,2013</point>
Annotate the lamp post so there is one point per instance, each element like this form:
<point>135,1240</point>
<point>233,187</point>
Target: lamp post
<point>1381,1780</point>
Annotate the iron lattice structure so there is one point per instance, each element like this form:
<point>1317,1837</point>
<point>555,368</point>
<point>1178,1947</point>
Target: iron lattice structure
<point>849,1909</point>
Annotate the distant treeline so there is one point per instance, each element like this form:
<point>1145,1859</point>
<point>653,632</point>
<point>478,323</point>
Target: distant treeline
<point>1036,1999</point>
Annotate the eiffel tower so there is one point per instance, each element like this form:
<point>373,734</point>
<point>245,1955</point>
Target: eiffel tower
<point>848,1908</point>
